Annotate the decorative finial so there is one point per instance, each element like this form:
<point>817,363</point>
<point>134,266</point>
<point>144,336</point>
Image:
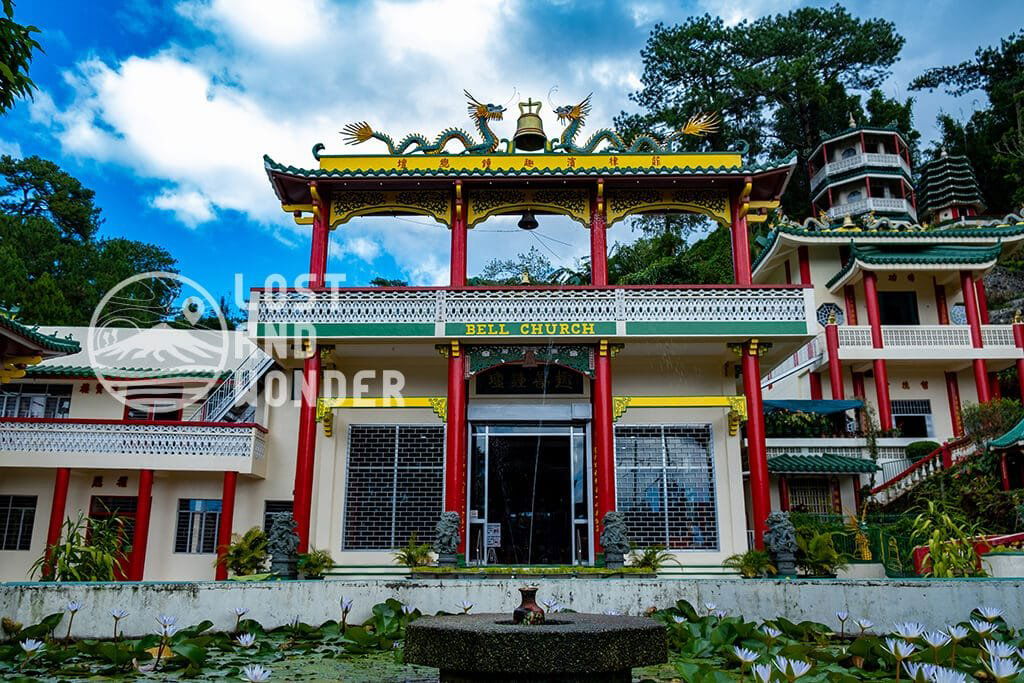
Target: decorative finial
<point>831,318</point>
<point>848,222</point>
<point>1018,317</point>
<point>853,121</point>
<point>942,152</point>
<point>524,278</point>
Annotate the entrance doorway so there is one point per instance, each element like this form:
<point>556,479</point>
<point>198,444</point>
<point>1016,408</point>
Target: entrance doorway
<point>529,495</point>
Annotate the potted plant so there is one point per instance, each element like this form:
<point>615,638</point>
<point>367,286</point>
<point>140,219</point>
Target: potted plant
<point>752,564</point>
<point>652,559</point>
<point>817,555</point>
<point>246,554</point>
<point>780,540</point>
<point>314,564</point>
<point>614,539</point>
<point>413,554</point>
<point>446,538</point>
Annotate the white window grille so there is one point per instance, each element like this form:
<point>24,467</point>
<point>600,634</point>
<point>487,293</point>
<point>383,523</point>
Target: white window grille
<point>810,494</point>
<point>913,417</point>
<point>17,518</point>
<point>198,523</point>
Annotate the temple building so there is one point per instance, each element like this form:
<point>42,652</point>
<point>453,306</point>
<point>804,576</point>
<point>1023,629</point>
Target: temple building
<point>530,411</point>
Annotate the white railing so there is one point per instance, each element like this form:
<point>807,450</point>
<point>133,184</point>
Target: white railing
<point>855,335</point>
<point>534,305</point>
<point>233,387</point>
<point>895,484</point>
<point>116,443</point>
<point>872,204</point>
<point>997,335</point>
<point>807,355</point>
<point>870,159</point>
<point>926,336</point>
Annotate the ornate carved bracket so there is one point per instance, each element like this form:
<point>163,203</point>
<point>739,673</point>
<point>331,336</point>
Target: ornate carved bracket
<point>737,405</point>
<point>324,406</point>
<point>348,204</point>
<point>572,202</point>
<point>623,202</point>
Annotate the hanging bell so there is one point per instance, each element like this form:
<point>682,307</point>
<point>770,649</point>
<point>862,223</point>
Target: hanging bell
<point>528,221</point>
<point>529,135</point>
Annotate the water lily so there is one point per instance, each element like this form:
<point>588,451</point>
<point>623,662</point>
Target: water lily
<point>346,607</point>
<point>939,674</point>
<point>957,632</point>
<point>408,609</point>
<point>549,604</point>
<point>982,628</point>
<point>763,673</point>
<point>998,650</point>
<point>466,605</point>
<point>864,625</point>
<point>678,619</point>
<point>118,615</point>
<point>72,608</point>
<point>842,617</point>
<point>239,613</point>
<point>32,646</point>
<point>990,613</point>
<point>914,668</point>
<point>792,669</point>
<point>935,640</point>
<point>721,613</point>
<point>254,673</point>
<point>166,620</point>
<point>1003,669</point>
<point>744,655</point>
<point>710,607</point>
<point>771,634</point>
<point>246,640</point>
<point>908,630</point>
<point>168,631</point>
<point>611,613</point>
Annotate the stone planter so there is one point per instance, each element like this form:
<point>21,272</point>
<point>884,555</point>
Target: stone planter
<point>447,560</point>
<point>1004,565</point>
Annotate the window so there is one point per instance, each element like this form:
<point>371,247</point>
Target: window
<point>198,522</point>
<point>913,417</point>
<point>17,517</point>
<point>271,507</point>
<point>153,403</point>
<point>810,494</point>
<point>849,152</point>
<point>665,485</point>
<point>898,308</point>
<point>853,196</point>
<point>393,485</point>
<point>35,400</point>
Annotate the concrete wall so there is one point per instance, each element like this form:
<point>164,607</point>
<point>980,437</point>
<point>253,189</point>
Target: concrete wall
<point>935,603</point>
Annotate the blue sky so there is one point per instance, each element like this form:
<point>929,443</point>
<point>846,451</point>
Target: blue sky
<point>165,107</point>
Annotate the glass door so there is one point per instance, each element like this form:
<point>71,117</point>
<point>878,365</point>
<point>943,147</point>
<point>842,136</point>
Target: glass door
<point>529,495</point>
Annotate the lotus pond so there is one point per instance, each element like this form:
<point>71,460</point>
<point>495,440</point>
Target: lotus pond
<point>707,644</point>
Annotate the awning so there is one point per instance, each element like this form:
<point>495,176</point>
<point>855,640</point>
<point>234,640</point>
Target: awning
<point>1010,439</point>
<point>826,463</point>
<point>821,407</point>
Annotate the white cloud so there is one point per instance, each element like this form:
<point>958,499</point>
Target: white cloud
<point>262,23</point>
<point>10,149</point>
<point>735,11</point>
<point>191,207</point>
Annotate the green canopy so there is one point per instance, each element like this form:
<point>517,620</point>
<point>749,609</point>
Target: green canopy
<point>821,407</point>
<point>826,463</point>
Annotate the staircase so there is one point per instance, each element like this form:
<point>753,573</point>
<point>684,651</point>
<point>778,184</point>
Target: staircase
<point>222,405</point>
<point>944,457</point>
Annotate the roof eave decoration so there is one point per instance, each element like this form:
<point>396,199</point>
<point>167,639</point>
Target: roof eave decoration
<point>864,258</point>
<point>826,463</point>
<point>126,374</point>
<point>885,130</point>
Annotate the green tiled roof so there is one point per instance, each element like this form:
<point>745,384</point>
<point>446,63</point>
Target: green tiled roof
<point>825,463</point>
<point>1009,439</point>
<point>947,181</point>
<point>87,372</point>
<point>33,335</point>
<point>940,254</point>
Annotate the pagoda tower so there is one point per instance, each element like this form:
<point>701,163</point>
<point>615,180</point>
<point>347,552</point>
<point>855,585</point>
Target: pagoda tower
<point>949,190</point>
<point>862,170</point>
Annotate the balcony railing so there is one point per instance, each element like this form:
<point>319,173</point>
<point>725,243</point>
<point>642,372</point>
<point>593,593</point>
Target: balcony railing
<point>872,159</point>
<point>997,340</point>
<point>885,204</point>
<point>531,311</point>
<point>118,444</point>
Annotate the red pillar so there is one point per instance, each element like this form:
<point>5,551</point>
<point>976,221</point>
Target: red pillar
<point>974,320</point>
<point>137,565</point>
<point>1004,471</point>
<point>783,493</point>
<point>835,369</point>
<point>598,240</point>
<point>805,265</point>
<point>815,379</point>
<point>57,506</point>
<point>604,439</point>
<point>306,448</point>
<point>1018,337</point>
<point>757,452</point>
<point>227,518</point>
<point>457,270</point>
<point>740,244</point>
<point>979,290</point>
<point>878,365</point>
<point>953,398</point>
<point>941,306</point>
<point>850,299</point>
<point>455,449</point>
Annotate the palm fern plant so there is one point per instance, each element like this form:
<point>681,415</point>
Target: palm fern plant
<point>246,554</point>
<point>413,553</point>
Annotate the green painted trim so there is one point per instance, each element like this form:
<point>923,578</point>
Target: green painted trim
<point>705,328</point>
<point>508,329</point>
<point>45,341</point>
<point>299,330</point>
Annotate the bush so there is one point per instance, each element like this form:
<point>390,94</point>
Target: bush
<point>246,554</point>
<point>414,553</point>
<point>314,564</point>
<point>919,449</point>
<point>93,550</point>
<point>986,421</point>
<point>751,564</point>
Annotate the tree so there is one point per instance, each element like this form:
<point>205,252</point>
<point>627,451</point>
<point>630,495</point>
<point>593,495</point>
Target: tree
<point>386,282</point>
<point>779,82</point>
<point>988,137</point>
<point>17,47</point>
<point>54,267</point>
<point>533,264</point>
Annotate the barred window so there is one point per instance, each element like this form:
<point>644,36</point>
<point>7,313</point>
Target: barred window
<point>272,507</point>
<point>198,523</point>
<point>35,400</point>
<point>810,494</point>
<point>17,517</point>
<point>913,417</point>
<point>665,485</point>
<point>393,485</point>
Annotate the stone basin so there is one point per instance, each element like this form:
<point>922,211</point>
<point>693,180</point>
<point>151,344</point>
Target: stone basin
<point>568,647</point>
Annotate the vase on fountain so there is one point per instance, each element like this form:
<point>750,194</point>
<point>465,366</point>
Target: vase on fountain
<point>528,612</point>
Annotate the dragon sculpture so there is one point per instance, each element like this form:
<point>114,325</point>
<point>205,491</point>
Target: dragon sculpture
<point>575,116</point>
<point>482,115</point>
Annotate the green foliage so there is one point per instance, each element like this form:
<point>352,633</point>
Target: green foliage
<point>986,421</point>
<point>413,553</point>
<point>535,265</point>
<point>385,282</point>
<point>88,550</point>
<point>751,564</point>
<point>918,449</point>
<point>652,559</point>
<point>17,48</point>
<point>314,564</point>
<point>817,555</point>
<point>246,554</point>
<point>784,423</point>
<point>950,543</point>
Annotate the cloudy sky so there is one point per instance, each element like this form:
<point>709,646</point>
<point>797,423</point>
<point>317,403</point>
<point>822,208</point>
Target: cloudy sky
<point>165,107</point>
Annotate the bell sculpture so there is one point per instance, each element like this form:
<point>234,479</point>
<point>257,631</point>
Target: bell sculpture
<point>529,135</point>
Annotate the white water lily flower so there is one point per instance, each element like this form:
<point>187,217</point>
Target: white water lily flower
<point>744,655</point>
<point>254,673</point>
<point>791,668</point>
<point>900,649</point>
<point>346,605</point>
<point>908,630</point>
<point>710,607</point>
<point>1003,669</point>
<point>935,639</point>
<point>957,632</point>
<point>842,616</point>
<point>118,613</point>
<point>864,624</point>
<point>246,640</point>
<point>611,613</point>
<point>982,627</point>
<point>990,613</point>
<point>241,611</point>
<point>721,613</point>
<point>997,650</point>
<point>466,605</point>
<point>31,646</point>
<point>165,620</point>
<point>168,630</point>
<point>913,668</point>
<point>940,674</point>
<point>549,603</point>
<point>763,672</point>
<point>73,606</point>
<point>771,631</point>
<point>678,619</point>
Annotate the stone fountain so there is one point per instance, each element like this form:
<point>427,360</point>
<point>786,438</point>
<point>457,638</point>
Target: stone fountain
<point>528,646</point>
